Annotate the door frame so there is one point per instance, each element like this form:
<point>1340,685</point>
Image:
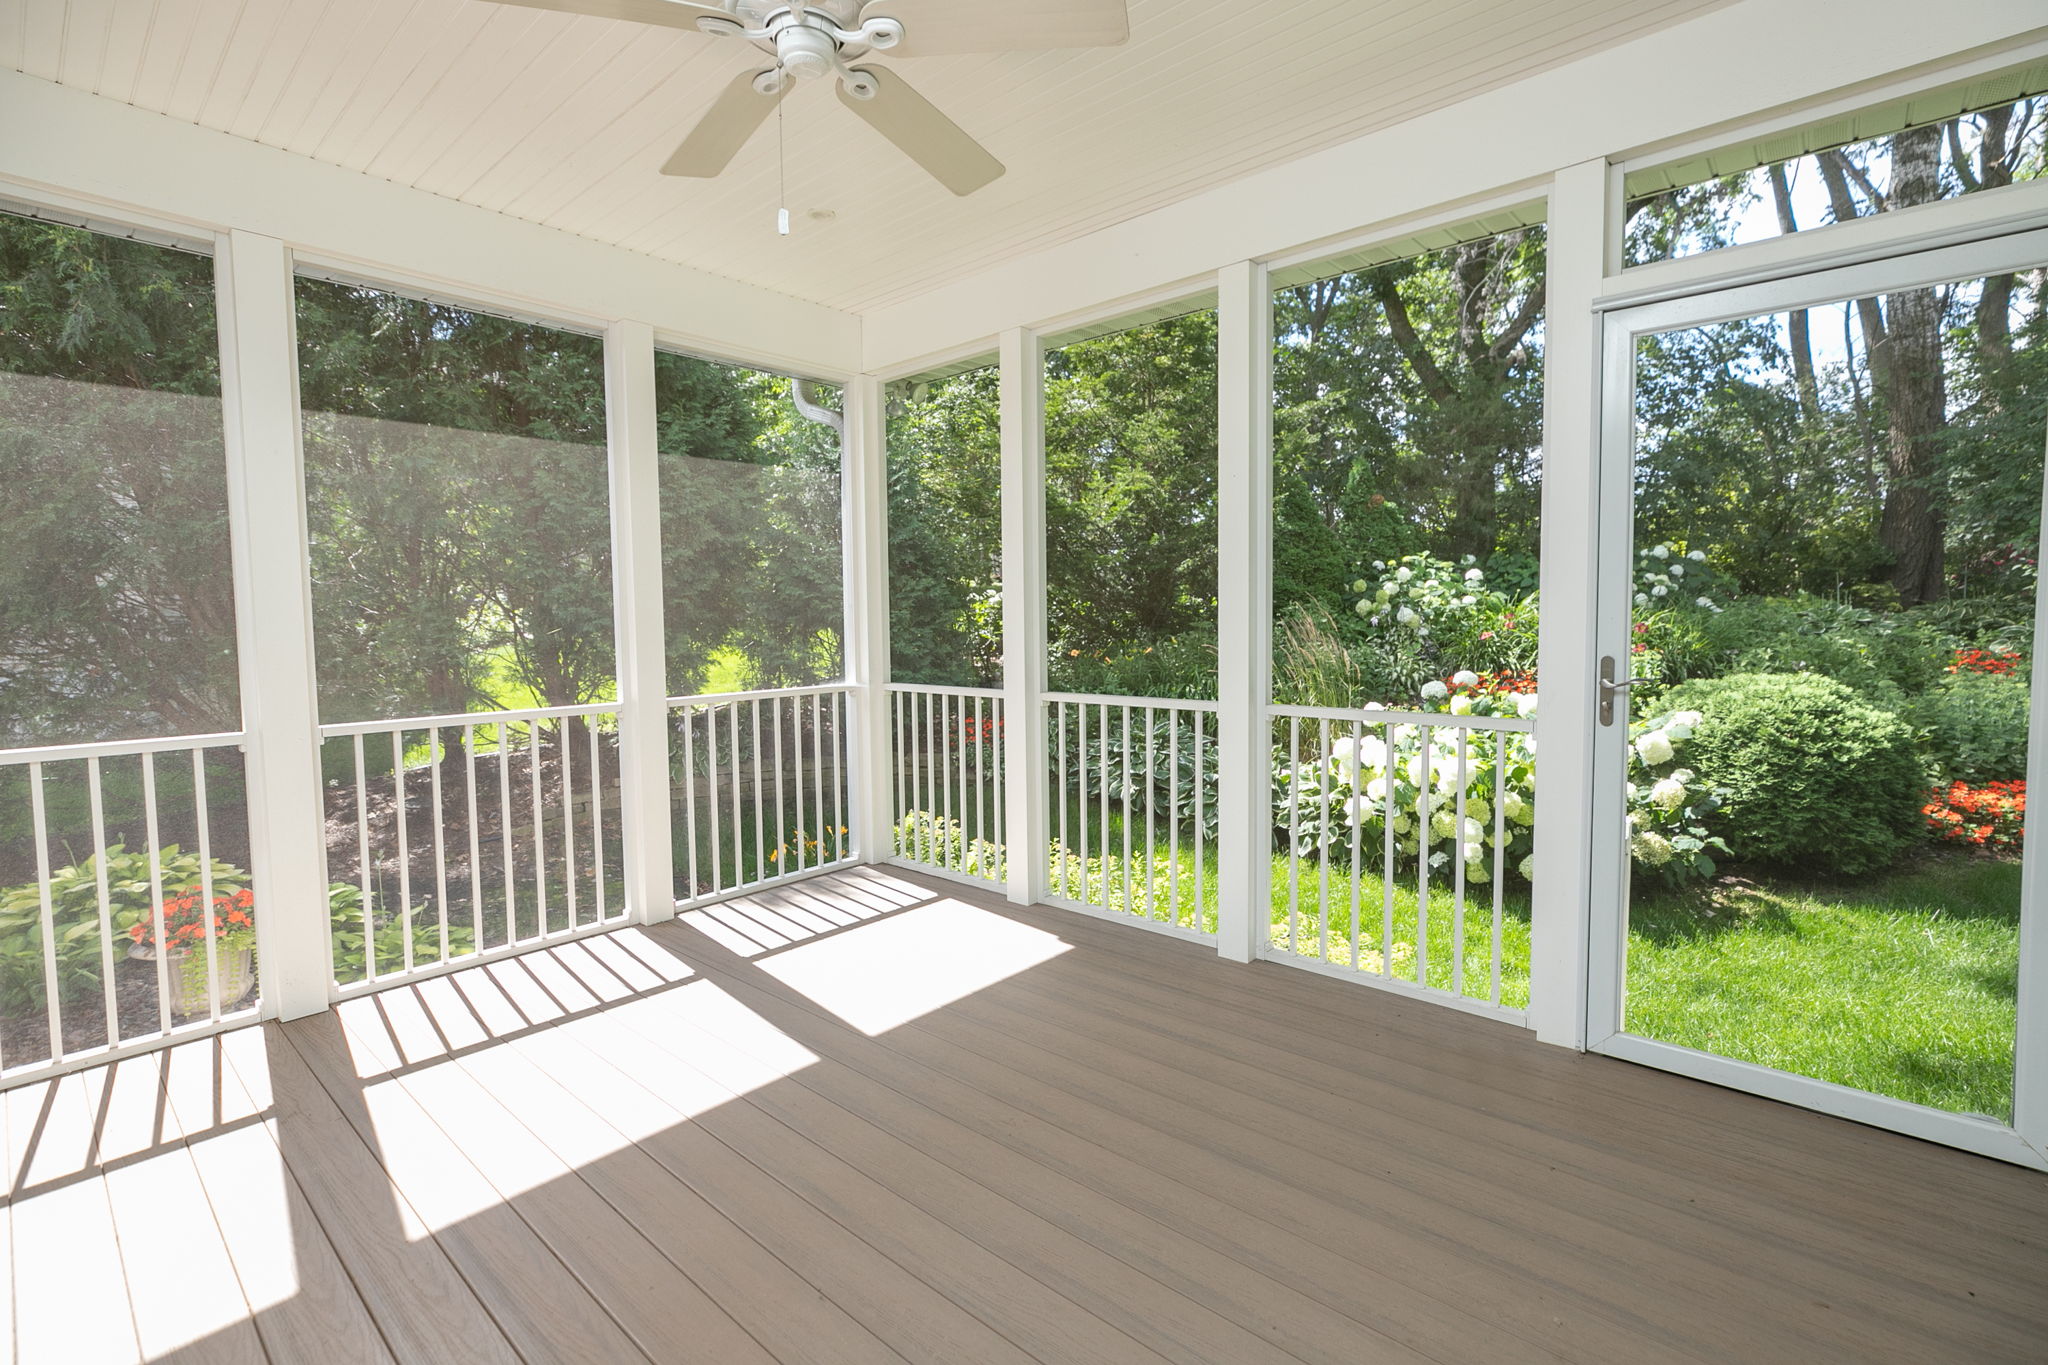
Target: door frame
<point>2026,1141</point>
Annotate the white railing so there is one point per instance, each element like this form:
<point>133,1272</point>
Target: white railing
<point>1133,817</point>
<point>1388,821</point>
<point>950,805</point>
<point>514,846</point>
<point>110,951</point>
<point>748,766</point>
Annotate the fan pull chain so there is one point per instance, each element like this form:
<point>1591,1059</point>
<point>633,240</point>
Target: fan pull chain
<point>781,175</point>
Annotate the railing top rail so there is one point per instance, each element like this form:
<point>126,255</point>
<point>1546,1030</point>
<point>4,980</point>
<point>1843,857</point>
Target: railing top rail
<point>380,727</point>
<point>1442,720</point>
<point>118,748</point>
<point>1111,699</point>
<point>763,694</point>
<point>944,690</point>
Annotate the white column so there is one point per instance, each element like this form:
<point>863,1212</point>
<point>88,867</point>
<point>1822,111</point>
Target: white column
<point>864,491</point>
<point>1021,381</point>
<point>1244,607</point>
<point>637,621</point>
<point>274,620</point>
<point>1578,233</point>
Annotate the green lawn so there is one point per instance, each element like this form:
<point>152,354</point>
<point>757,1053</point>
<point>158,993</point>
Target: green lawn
<point>1905,986</point>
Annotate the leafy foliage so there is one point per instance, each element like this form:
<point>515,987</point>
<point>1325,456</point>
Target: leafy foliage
<point>1976,727</point>
<point>1816,777</point>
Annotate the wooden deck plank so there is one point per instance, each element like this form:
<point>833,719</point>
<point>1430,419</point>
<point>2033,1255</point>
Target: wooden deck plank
<point>1265,1058</point>
<point>187,1300</point>
<point>64,1231</point>
<point>897,1120</point>
<point>1195,1216</point>
<point>912,1318</point>
<point>422,1306</point>
<point>305,1306</point>
<point>540,1308</point>
<point>1016,1302</point>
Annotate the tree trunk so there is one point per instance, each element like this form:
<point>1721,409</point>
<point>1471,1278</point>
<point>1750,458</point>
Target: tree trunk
<point>1799,324</point>
<point>1914,395</point>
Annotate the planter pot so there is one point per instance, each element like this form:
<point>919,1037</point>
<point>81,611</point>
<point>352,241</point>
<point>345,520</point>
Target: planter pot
<point>187,971</point>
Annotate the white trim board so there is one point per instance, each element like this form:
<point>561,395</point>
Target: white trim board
<point>77,151</point>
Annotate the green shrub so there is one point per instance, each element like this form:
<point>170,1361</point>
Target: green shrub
<point>345,922</point>
<point>75,917</point>
<point>1975,726</point>
<point>1816,777</point>
<point>1885,656</point>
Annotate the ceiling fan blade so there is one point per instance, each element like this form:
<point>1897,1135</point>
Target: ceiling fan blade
<point>933,28</point>
<point>924,134</point>
<point>725,128</point>
<point>666,13</point>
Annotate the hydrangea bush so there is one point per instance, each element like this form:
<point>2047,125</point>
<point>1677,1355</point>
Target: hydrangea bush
<point>1391,770</point>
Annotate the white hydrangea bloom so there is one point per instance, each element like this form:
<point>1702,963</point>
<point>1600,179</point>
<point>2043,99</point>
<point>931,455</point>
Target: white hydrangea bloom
<point>1404,573</point>
<point>1655,747</point>
<point>1465,677</point>
<point>1433,690</point>
<point>1704,602</point>
<point>1660,551</point>
<point>1698,556</point>
<point>1461,705</point>
<point>1359,585</point>
<point>1376,790</point>
<point>1441,823</point>
<point>1650,848</point>
<point>1406,616</point>
<point>1525,705</point>
<point>1667,794</point>
<point>1660,591</point>
<point>1642,599</point>
<point>1365,606</point>
<point>1690,719</point>
<point>1528,868</point>
<point>1677,571</point>
<point>1480,809</point>
<point>1475,575</point>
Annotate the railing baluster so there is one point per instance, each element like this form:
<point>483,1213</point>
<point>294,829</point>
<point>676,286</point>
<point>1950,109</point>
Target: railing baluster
<point>1394,766</point>
<point>959,742</point>
<point>436,752</point>
<point>760,792</point>
<point>1201,819</point>
<point>1173,816</point>
<point>1293,830</point>
<point>1059,714</point>
<point>156,892</point>
<point>840,701</point>
<point>540,834</point>
<point>981,839</point>
<point>898,734</point>
<point>363,862</point>
<point>781,796</point>
<point>1323,845</point>
<point>1422,817</point>
<point>404,853</point>
<point>504,737</point>
<point>1458,862</point>
<point>1124,799</point>
<point>201,809</point>
<point>689,722</point>
<point>476,862</point>
<point>713,798</point>
<point>39,820</point>
<point>566,748</point>
<point>1102,775</point>
<point>106,899</point>
<point>1354,812</point>
<point>1002,816</point>
<point>596,817</point>
<point>1151,822</point>
<point>739,851</point>
<point>1500,763</point>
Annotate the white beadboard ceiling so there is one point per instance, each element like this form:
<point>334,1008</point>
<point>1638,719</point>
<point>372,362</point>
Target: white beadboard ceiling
<point>563,120</point>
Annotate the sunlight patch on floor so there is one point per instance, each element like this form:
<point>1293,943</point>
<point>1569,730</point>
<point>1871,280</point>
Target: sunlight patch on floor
<point>906,965</point>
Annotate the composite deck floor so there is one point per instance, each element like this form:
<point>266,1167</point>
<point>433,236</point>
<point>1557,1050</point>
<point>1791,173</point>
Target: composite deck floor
<point>871,1118</point>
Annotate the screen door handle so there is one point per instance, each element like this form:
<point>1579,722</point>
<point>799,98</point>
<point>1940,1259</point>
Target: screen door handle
<point>1612,688</point>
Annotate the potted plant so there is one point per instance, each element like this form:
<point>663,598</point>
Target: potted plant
<point>185,924</point>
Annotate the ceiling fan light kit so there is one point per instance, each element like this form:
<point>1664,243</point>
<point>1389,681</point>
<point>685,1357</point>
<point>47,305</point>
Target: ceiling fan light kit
<point>814,39</point>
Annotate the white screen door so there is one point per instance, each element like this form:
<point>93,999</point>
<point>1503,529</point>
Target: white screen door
<point>1820,512</point>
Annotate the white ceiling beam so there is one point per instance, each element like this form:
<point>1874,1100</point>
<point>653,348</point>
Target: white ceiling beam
<point>70,149</point>
<point>1726,67</point>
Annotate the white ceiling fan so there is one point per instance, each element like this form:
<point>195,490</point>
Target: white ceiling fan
<point>808,38</point>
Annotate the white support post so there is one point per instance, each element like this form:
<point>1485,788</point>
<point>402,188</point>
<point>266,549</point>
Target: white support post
<point>274,620</point>
<point>864,492</point>
<point>1244,607</point>
<point>1021,381</point>
<point>1578,250</point>
<point>637,622</point>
